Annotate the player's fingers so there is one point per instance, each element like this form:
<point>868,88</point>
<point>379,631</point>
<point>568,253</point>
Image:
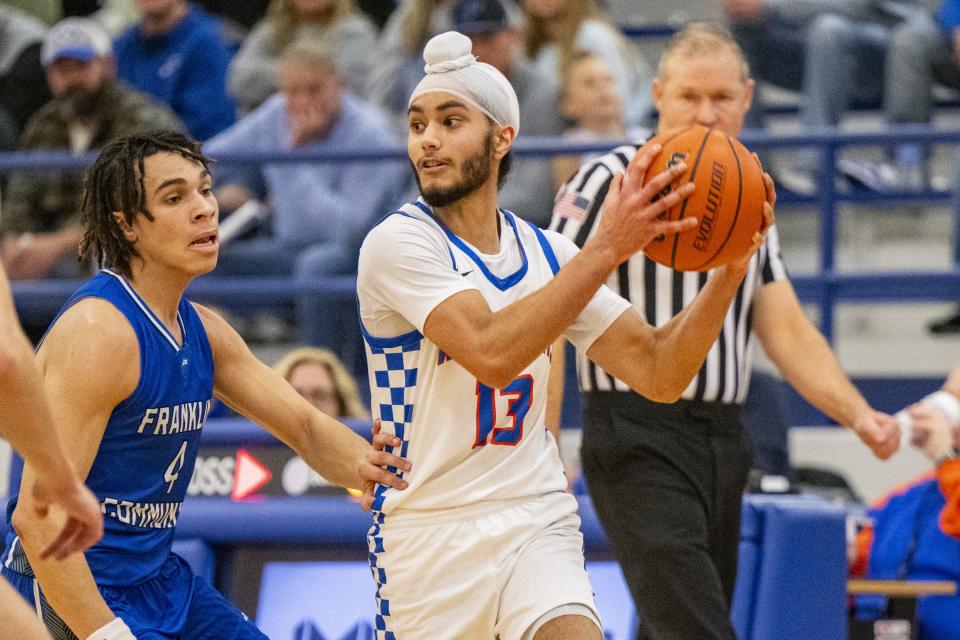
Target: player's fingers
<point>72,545</point>
<point>366,501</point>
<point>55,548</point>
<point>384,459</point>
<point>86,538</point>
<point>382,440</point>
<point>613,193</point>
<point>771,189</point>
<point>769,217</point>
<point>671,176</point>
<point>641,161</point>
<point>375,429</point>
<point>649,210</point>
<point>674,226</point>
<point>384,477</point>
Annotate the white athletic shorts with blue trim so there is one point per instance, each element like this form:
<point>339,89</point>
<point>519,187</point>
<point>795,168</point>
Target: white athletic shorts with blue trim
<point>490,570</point>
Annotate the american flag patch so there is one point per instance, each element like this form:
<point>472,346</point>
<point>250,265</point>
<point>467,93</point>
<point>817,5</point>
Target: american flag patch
<point>572,205</point>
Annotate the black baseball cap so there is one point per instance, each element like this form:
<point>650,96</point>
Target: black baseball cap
<point>479,16</point>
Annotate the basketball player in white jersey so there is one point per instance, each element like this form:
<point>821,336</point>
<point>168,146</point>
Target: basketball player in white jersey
<point>459,304</point>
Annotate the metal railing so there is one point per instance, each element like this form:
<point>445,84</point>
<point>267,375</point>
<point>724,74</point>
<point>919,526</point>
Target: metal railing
<point>825,288</point>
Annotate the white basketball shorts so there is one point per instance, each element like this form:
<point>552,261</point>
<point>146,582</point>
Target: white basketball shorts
<point>479,572</point>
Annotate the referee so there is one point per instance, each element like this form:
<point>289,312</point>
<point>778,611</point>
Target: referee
<point>667,479</point>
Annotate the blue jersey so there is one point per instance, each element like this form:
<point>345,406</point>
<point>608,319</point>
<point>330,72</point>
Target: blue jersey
<point>145,460</point>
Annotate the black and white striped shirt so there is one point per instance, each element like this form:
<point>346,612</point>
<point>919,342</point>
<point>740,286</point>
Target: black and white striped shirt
<point>659,292</point>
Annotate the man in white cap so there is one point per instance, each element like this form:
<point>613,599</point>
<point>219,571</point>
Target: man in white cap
<point>459,304</point>
<point>39,225</point>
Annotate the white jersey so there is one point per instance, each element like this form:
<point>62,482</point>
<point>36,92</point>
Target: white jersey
<point>466,442</point>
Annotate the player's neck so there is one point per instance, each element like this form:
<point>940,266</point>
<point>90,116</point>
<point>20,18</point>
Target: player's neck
<point>161,292</point>
<point>474,218</point>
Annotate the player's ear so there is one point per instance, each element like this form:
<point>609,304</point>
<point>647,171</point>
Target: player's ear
<point>128,231</point>
<point>502,140</point>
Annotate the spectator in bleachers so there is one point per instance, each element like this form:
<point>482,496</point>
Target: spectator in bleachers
<point>915,530</point>
<point>924,50</point>
<point>320,377</point>
<point>531,187</point>
<point>554,29</point>
<point>591,105</point>
<point>39,224</point>
<point>399,67</point>
<point>319,211</point>
<point>834,51</point>
<point>178,54</point>
<point>347,33</point>
<point>23,89</point>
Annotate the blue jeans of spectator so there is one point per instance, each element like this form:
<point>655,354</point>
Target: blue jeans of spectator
<point>837,62</point>
<point>320,322</point>
<point>920,55</point>
<point>844,68</point>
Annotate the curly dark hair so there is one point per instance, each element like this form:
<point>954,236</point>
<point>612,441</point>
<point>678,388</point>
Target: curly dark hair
<point>115,183</point>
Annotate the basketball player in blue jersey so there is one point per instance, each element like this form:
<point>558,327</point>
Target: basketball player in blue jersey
<point>459,304</point>
<point>26,423</point>
<point>131,368</point>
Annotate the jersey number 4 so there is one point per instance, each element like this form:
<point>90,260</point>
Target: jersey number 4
<point>173,469</point>
<point>520,394</point>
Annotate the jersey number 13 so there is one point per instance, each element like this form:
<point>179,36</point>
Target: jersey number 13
<point>520,394</point>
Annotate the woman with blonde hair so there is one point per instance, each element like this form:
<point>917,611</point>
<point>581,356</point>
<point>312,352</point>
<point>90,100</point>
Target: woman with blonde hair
<point>319,376</point>
<point>555,29</point>
<point>338,24</point>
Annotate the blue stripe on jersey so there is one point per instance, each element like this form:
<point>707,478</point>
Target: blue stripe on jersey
<point>500,283</point>
<point>380,345</point>
<point>547,249</point>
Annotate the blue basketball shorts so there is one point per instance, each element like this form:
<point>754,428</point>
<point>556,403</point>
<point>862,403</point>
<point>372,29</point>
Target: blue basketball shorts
<point>175,604</point>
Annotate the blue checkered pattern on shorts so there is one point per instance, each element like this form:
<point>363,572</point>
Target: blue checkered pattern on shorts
<point>395,381</point>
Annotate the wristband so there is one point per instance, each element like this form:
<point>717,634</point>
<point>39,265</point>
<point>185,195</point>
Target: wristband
<point>905,422</point>
<point>116,629</point>
<point>947,403</point>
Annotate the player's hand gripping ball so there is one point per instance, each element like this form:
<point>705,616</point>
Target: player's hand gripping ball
<point>728,201</point>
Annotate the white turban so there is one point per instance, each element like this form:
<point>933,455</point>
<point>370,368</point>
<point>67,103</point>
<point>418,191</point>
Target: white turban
<point>451,68</point>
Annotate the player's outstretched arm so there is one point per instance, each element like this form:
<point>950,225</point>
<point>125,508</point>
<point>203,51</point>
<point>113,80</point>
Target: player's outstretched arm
<point>26,423</point>
<point>495,346</point>
<point>258,392</point>
<point>85,377</point>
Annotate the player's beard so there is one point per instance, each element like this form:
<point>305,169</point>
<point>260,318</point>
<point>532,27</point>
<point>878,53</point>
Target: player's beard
<point>474,172</point>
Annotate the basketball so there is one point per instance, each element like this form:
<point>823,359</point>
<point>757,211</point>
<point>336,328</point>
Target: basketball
<point>728,200</point>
